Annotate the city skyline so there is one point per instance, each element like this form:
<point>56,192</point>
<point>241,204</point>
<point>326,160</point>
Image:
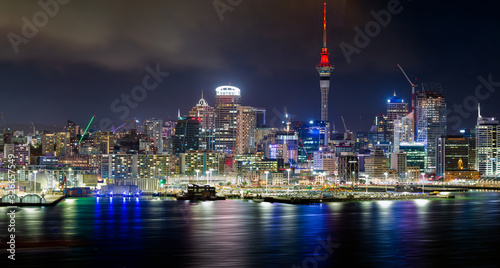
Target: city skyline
<point>64,86</point>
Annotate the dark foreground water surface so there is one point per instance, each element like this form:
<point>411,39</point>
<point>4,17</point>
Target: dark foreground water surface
<point>104,232</point>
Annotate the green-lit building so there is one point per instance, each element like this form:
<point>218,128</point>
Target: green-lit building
<point>415,154</point>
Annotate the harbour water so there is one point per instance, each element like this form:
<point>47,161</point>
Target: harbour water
<point>131,232</point>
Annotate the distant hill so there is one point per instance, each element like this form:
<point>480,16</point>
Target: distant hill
<point>28,128</point>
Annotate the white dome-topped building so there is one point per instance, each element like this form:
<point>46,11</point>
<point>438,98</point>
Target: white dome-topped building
<point>207,117</point>
<point>227,101</point>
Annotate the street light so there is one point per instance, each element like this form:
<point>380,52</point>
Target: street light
<point>197,172</point>
<point>267,182</point>
<point>35,179</point>
<point>288,170</point>
<point>366,182</point>
<point>250,180</point>
<point>352,180</point>
<point>208,176</point>
<point>70,177</point>
<point>385,182</point>
<point>422,178</point>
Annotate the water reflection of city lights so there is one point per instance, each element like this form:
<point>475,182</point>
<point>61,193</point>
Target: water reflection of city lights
<point>421,202</point>
<point>266,204</point>
<point>384,204</point>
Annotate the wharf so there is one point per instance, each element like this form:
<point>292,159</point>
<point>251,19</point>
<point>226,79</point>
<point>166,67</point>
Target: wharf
<point>31,200</point>
<point>348,198</point>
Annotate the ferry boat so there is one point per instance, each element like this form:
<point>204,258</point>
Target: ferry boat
<point>199,192</point>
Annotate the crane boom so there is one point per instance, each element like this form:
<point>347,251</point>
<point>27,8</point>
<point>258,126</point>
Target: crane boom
<point>407,78</point>
<point>413,86</point>
<point>345,128</point>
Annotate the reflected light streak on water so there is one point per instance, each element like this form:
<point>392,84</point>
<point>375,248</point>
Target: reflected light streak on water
<point>120,232</point>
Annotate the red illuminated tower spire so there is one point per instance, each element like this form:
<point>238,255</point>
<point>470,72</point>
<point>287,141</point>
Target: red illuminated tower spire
<point>324,69</point>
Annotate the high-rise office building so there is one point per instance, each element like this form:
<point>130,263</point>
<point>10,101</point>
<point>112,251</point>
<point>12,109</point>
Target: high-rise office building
<point>431,121</point>
<point>73,128</point>
<point>104,142</point>
<point>153,165</point>
<point>153,128</point>
<point>227,101</point>
<point>403,130</point>
<point>119,166</point>
<point>395,107</point>
<point>452,154</point>
<point>21,153</point>
<point>487,130</point>
<point>48,143</point>
<point>246,121</point>
<point>324,160</point>
<point>311,136</point>
<point>187,135</point>
<point>381,123</point>
<point>324,69</point>
<point>207,116</point>
<point>260,117</point>
<point>62,142</point>
<point>399,164</point>
<point>348,166</point>
<point>415,154</point>
<point>208,163</point>
<point>376,164</point>
<point>470,135</point>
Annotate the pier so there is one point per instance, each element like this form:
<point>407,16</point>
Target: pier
<point>30,200</point>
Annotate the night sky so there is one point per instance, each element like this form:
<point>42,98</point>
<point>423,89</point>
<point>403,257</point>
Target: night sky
<point>91,52</point>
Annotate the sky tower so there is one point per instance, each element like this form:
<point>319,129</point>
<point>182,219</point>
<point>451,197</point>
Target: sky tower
<point>324,69</point>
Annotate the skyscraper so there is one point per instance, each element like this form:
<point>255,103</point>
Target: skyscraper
<point>431,121</point>
<point>246,122</point>
<point>395,107</point>
<point>487,130</point>
<point>62,142</point>
<point>187,135</point>
<point>105,142</point>
<point>153,128</point>
<point>403,130</point>
<point>376,164</point>
<point>227,101</point>
<point>207,116</point>
<point>452,154</point>
<point>324,69</point>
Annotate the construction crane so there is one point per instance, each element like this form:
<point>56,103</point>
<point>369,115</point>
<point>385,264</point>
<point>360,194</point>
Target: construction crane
<point>135,123</point>
<point>305,151</point>
<point>343,121</point>
<point>413,86</point>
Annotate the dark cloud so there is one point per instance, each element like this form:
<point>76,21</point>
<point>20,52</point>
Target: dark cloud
<point>92,52</point>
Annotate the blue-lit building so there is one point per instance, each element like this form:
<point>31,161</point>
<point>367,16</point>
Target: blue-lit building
<point>311,136</point>
<point>395,107</point>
